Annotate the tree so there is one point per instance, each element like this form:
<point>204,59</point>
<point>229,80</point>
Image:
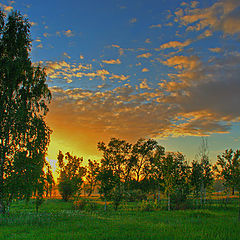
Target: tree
<point>71,173</point>
<point>174,173</point>
<point>117,161</point>
<point>228,168</point>
<point>24,94</point>
<point>91,176</point>
<point>196,178</point>
<point>107,183</point>
<point>206,178</point>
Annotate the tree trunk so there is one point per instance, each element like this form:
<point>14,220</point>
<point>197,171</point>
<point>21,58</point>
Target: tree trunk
<point>205,194</point>
<point>105,205</point>
<point>233,191</point>
<point>169,202</point>
<point>239,205</point>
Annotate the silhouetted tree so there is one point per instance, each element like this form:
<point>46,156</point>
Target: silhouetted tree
<point>91,176</point>
<point>24,94</point>
<point>117,160</point>
<point>71,173</point>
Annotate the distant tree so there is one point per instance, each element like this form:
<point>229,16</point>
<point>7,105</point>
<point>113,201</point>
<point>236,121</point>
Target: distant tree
<point>108,181</point>
<point>228,169</point>
<point>44,186</point>
<point>117,161</point>
<point>174,173</point>
<point>196,178</point>
<point>143,152</point>
<point>24,94</point>
<point>71,173</point>
<point>91,176</point>
<point>206,169</point>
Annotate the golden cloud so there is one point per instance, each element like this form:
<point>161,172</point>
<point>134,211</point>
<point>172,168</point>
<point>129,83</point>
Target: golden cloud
<point>144,55</point>
<point>175,44</point>
<point>112,61</point>
<point>68,33</point>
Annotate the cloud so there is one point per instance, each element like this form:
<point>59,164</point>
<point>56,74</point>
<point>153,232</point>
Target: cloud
<point>175,44</point>
<point>133,20</point>
<point>148,40</point>
<point>66,55</point>
<point>120,77</point>
<point>216,50</point>
<point>144,55</point>
<point>145,70</point>
<point>144,85</point>
<point>6,8</point>
<point>182,62</point>
<point>40,45</point>
<point>112,61</point>
<point>156,26</point>
<point>68,33</point>
<point>223,15</point>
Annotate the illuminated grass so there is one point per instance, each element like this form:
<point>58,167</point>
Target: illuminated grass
<point>61,222</point>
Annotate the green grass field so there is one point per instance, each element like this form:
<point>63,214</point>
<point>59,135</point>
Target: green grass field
<point>58,220</point>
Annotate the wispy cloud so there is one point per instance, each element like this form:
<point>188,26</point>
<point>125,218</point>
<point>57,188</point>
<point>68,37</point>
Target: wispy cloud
<point>144,55</point>
<point>133,20</point>
<point>175,44</point>
<point>112,61</point>
<point>68,33</point>
<point>156,26</point>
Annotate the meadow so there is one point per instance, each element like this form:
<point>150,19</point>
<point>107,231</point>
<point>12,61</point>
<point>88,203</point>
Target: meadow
<point>59,220</point>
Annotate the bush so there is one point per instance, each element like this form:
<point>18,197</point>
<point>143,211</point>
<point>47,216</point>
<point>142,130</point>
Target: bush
<point>135,196</point>
<point>146,206</point>
<point>79,204</point>
<point>84,204</point>
<point>90,206</point>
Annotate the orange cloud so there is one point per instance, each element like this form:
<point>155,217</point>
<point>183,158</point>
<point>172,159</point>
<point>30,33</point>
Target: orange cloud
<point>175,44</point>
<point>68,33</point>
<point>112,61</point>
<point>144,55</point>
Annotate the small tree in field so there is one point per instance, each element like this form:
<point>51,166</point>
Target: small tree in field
<point>116,160</point>
<point>70,177</point>
<point>206,178</point>
<point>228,168</point>
<point>24,95</point>
<point>91,176</point>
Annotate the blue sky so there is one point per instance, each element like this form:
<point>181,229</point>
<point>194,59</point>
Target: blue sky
<point>141,68</point>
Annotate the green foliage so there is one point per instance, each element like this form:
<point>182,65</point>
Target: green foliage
<point>71,173</point>
<point>228,168</point>
<point>135,195</point>
<point>91,176</point>
<point>24,94</point>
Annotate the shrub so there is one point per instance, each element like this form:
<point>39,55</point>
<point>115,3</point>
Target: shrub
<point>146,206</point>
<point>135,195</point>
<point>80,204</point>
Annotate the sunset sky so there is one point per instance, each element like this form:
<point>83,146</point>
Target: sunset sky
<point>163,69</point>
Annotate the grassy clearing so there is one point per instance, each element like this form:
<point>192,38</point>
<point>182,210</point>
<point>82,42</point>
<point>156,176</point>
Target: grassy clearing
<point>57,220</point>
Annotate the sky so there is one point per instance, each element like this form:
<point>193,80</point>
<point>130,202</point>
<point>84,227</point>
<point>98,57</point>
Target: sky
<point>162,69</point>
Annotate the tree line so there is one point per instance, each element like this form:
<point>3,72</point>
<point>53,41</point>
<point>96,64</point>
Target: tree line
<point>133,171</point>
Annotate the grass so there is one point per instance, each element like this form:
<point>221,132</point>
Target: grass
<point>57,220</point>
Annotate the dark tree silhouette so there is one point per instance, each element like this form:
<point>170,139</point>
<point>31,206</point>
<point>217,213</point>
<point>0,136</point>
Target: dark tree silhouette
<point>24,94</point>
<point>71,173</point>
